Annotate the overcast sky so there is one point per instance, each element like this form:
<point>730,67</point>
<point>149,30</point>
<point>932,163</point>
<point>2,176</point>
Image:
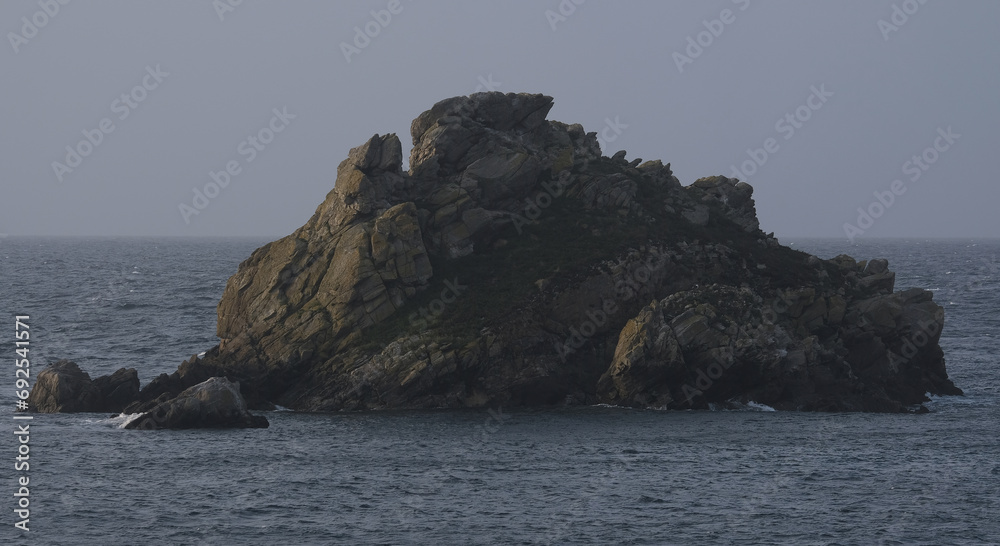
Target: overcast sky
<point>182,85</point>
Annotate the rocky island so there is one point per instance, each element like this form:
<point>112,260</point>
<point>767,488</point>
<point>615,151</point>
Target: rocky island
<point>513,264</point>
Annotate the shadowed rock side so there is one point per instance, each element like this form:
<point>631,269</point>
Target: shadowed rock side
<point>514,264</point>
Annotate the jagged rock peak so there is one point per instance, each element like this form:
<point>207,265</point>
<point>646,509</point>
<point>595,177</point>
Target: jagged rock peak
<point>519,112</point>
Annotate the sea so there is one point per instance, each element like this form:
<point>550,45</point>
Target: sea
<point>497,475</point>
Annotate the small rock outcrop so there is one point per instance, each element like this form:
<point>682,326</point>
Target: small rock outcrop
<point>215,403</point>
<point>63,387</point>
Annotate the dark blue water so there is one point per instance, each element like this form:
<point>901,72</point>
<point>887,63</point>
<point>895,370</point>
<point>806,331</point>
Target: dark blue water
<point>575,476</point>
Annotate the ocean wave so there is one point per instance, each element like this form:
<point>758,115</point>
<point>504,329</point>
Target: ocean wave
<point>943,402</point>
<point>756,406</point>
<point>131,306</point>
<point>736,405</point>
<point>123,419</point>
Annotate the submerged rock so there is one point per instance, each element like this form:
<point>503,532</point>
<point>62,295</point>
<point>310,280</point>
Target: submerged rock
<point>215,403</point>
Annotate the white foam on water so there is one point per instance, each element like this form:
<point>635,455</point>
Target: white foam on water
<point>125,419</point>
<point>949,401</point>
<point>611,406</point>
<point>736,405</point>
<point>756,406</point>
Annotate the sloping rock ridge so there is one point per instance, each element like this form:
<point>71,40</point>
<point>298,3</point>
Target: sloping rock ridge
<point>514,264</point>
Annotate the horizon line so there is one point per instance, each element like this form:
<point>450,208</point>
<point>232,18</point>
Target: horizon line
<point>276,237</point>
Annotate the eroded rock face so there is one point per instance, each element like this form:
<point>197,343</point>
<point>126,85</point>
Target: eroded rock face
<point>118,390</point>
<point>514,263</point>
<point>796,351</point>
<point>214,403</point>
<point>648,361</point>
<point>63,387</point>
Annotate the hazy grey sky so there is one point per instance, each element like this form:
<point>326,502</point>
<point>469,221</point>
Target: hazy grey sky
<point>198,81</point>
